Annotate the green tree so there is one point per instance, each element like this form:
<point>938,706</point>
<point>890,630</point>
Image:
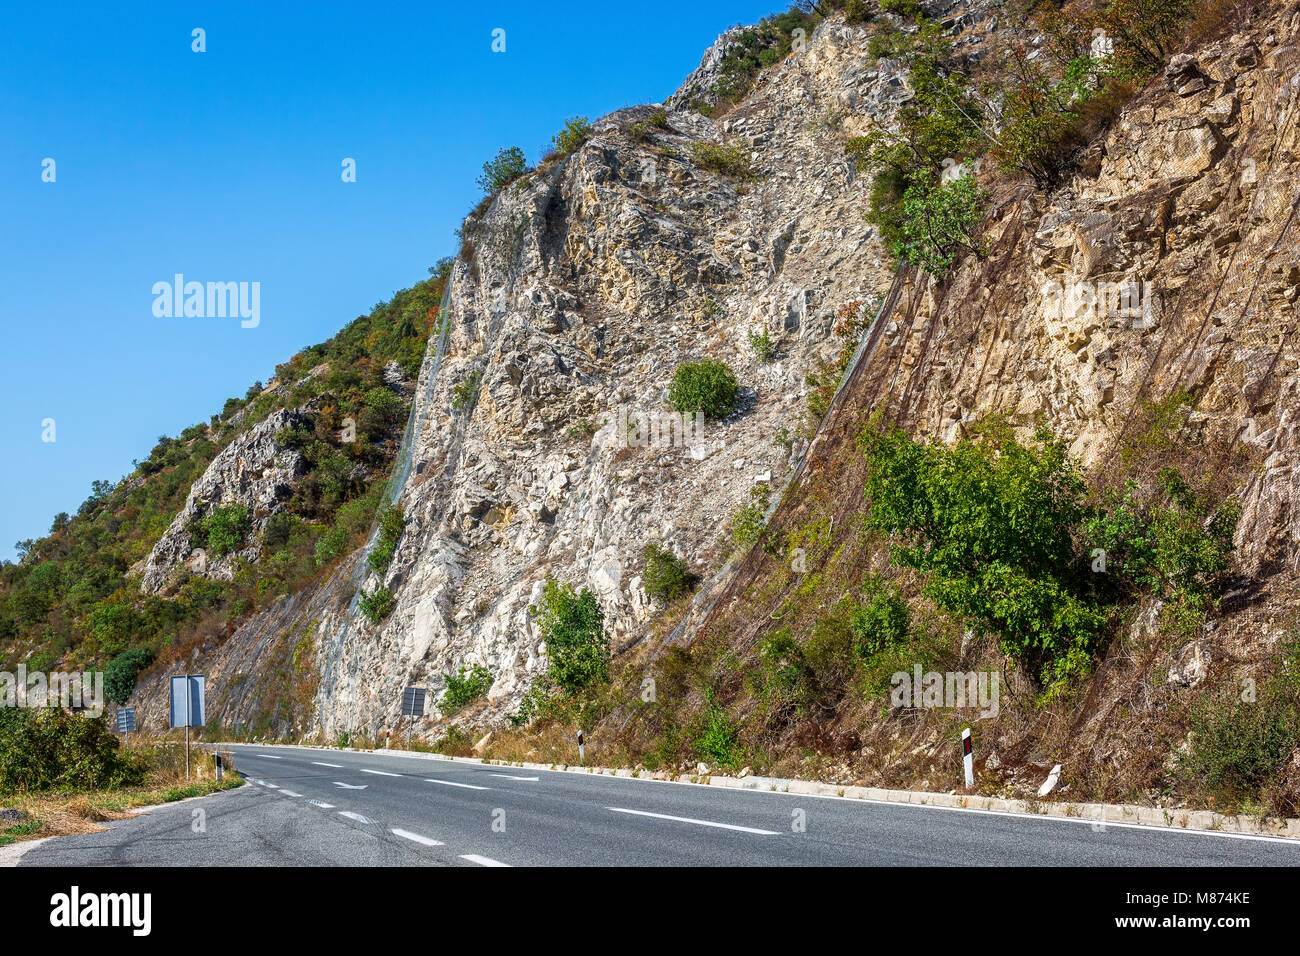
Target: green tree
<point>939,223</point>
<point>121,673</point>
<point>503,169</point>
<point>573,626</point>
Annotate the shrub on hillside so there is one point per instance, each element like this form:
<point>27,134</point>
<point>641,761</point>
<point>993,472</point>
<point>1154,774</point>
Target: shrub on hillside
<point>53,749</point>
<point>576,132</point>
<point>503,169</point>
<point>573,626</point>
<point>120,674</point>
<point>706,386</point>
<point>222,530</point>
<point>463,688</point>
<point>377,604</point>
<point>665,574</point>
<point>725,159</point>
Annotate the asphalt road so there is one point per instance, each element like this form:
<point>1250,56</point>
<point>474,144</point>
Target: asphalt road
<point>332,808</point>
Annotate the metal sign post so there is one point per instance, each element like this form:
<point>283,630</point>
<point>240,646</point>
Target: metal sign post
<point>412,706</point>
<point>187,707</point>
<point>125,723</point>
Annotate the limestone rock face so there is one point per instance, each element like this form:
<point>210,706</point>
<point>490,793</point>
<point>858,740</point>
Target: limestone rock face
<point>540,444</point>
<point>255,471</point>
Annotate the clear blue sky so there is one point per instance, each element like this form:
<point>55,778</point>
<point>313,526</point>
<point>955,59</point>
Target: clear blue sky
<point>225,166</point>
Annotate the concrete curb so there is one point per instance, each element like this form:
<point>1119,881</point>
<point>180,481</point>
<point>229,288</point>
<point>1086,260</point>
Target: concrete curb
<point>1098,814</point>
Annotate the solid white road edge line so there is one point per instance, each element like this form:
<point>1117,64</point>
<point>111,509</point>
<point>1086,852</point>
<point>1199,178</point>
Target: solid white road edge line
<point>703,823</point>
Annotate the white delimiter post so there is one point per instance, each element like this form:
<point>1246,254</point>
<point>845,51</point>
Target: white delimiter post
<point>968,758</point>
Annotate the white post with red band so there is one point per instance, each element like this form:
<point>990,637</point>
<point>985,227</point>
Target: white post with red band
<point>968,758</point>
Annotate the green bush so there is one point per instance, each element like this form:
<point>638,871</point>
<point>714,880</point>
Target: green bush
<point>52,749</point>
<point>573,626</point>
<point>725,159</point>
<point>750,520</point>
<point>717,738</point>
<point>991,524</point>
<point>120,674</point>
<point>882,621</point>
<point>465,688</point>
<point>223,529</point>
<point>706,386</point>
<point>391,523</point>
<point>762,345</point>
<point>507,166</point>
<point>377,604</point>
<point>575,133</point>
<point>1237,747</point>
<point>463,391</point>
<point>665,574</point>
<point>1175,542</point>
<point>939,223</point>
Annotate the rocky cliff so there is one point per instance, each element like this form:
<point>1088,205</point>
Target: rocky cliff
<point>1168,261</point>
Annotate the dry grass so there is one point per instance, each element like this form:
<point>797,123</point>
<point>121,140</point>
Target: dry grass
<point>61,814</point>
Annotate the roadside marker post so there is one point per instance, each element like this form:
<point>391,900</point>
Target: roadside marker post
<point>582,750</point>
<point>125,723</point>
<point>412,707</point>
<point>968,758</point>
<point>187,707</point>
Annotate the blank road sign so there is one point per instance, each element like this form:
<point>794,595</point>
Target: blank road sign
<point>126,720</point>
<point>413,702</point>
<point>187,701</point>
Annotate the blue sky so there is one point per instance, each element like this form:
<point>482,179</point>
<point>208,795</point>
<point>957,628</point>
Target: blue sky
<point>225,166</point>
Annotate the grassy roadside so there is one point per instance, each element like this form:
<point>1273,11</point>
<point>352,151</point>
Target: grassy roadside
<point>60,813</point>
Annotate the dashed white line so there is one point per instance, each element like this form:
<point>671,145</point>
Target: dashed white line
<point>702,823</point>
<point>290,793</point>
<point>268,756</point>
<point>482,860</point>
<point>355,816</point>
<point>408,835</point>
<point>322,804</point>
<point>510,776</point>
<point>453,783</point>
<point>380,773</point>
<point>322,763</point>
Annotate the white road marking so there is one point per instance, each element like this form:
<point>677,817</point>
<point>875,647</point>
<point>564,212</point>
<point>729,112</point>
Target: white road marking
<point>290,793</point>
<point>355,816</point>
<point>321,763</point>
<point>482,860</point>
<point>269,786</point>
<point>322,804</point>
<point>350,786</point>
<point>453,783</point>
<point>408,835</point>
<point>510,776</point>
<point>380,773</point>
<point>703,823</point>
<point>268,756</point>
